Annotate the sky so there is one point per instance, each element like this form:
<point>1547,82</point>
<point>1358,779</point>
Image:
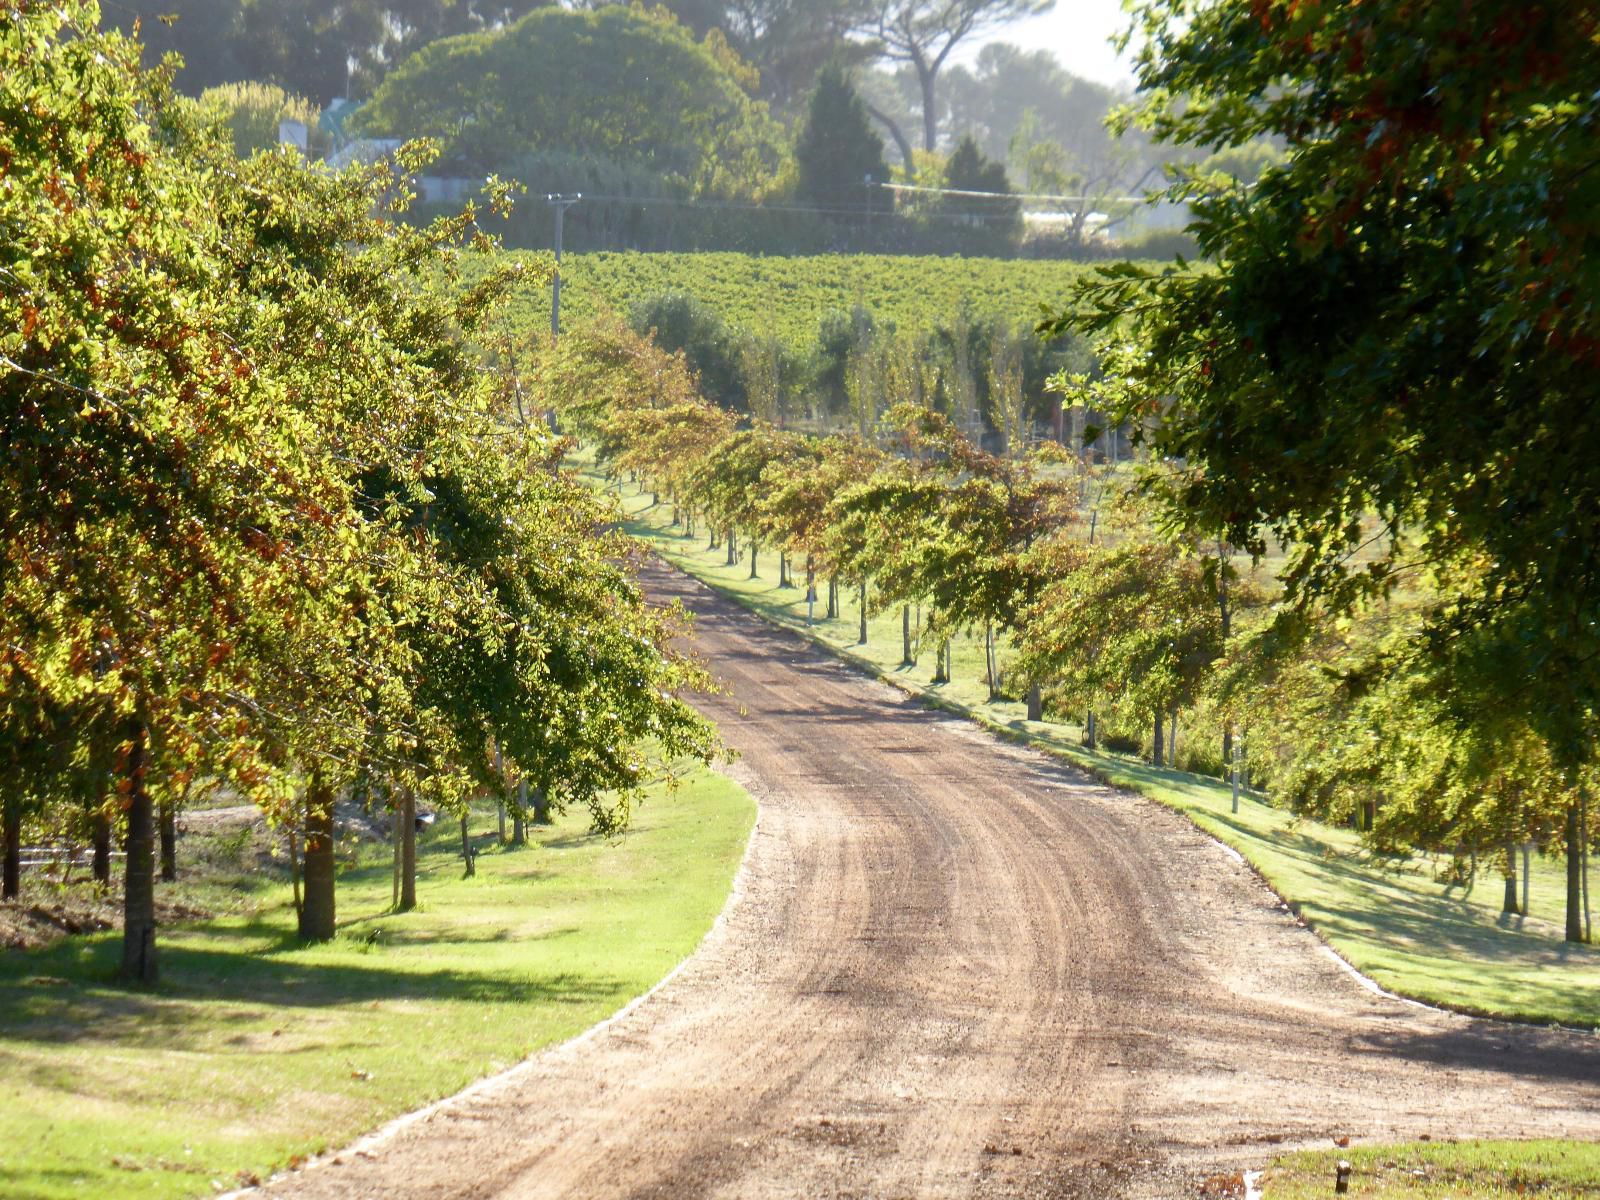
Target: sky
<point>1076,31</point>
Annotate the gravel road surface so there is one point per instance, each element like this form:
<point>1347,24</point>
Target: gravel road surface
<point>954,967</point>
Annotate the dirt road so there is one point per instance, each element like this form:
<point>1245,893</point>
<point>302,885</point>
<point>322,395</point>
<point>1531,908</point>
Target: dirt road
<point>955,968</point>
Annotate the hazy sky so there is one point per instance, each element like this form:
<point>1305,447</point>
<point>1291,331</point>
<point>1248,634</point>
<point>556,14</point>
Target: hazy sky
<point>1076,31</point>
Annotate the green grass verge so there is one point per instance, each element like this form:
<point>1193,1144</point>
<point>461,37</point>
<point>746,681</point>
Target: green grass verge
<point>254,1050</point>
<point>1440,1170</point>
<point>1401,926</point>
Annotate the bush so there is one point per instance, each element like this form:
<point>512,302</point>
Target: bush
<point>677,321</point>
<point>252,112</point>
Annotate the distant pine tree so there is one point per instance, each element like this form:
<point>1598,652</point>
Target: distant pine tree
<point>968,170</point>
<point>837,150</point>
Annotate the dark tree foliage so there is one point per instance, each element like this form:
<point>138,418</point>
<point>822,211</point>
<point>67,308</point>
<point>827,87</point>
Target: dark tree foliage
<point>316,48</point>
<point>837,151</point>
<point>1387,364</point>
<point>967,170</point>
<point>679,322</point>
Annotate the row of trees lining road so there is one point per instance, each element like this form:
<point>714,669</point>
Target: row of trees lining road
<point>1386,366</point>
<point>1084,606</point>
<point>268,521</point>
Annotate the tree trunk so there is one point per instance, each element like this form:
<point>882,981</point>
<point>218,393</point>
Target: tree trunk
<point>991,675</point>
<point>712,540</point>
<point>733,549</point>
<point>1574,875</point>
<point>941,662</point>
<point>1089,738</point>
<point>1508,904</point>
<point>1035,703</point>
<point>408,850</point>
<point>1227,746</point>
<point>169,841</point>
<point>833,599</point>
<point>753,548</point>
<point>927,76</point>
<point>541,805</point>
<point>1583,857</point>
<point>500,796</point>
<point>862,597</point>
<point>317,910</point>
<point>466,847</point>
<point>397,811</point>
<point>11,876</point>
<point>902,143</point>
<point>519,815</point>
<point>905,636</point>
<point>139,889</point>
<point>100,834</point>
<point>1172,740</point>
<point>1160,739</point>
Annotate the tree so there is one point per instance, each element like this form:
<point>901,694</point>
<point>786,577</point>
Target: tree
<point>786,40</point>
<point>252,113</point>
<point>838,157</point>
<point>679,322</point>
<point>315,48</point>
<point>268,515</point>
<point>967,170</point>
<point>1427,255</point>
<point>924,32</point>
<point>155,468</point>
<point>560,79</point>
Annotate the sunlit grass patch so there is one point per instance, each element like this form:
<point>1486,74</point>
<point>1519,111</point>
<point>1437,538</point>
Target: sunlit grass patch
<point>1440,1170</point>
<point>254,1050</point>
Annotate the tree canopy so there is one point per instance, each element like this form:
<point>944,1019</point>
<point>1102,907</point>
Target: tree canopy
<point>267,516</point>
<point>923,33</point>
<point>315,48</point>
<point>1388,364</point>
<point>619,82</point>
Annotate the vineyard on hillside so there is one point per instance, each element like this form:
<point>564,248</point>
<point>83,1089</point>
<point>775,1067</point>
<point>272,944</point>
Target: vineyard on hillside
<point>787,298</point>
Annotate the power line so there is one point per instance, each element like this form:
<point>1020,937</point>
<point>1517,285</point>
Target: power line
<point>729,205</point>
<point>939,191</point>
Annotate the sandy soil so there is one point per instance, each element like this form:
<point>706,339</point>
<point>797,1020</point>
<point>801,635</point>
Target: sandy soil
<point>954,967</point>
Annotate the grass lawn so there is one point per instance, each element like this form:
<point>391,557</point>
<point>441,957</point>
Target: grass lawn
<point>1412,934</point>
<point>1437,1170</point>
<point>254,1050</point>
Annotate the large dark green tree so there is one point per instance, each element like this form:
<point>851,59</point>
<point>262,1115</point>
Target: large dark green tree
<point>618,83</point>
<point>1386,363</point>
<point>837,151</point>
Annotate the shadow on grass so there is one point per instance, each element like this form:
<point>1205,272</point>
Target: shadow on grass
<point>68,997</point>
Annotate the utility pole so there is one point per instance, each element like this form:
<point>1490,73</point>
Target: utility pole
<point>560,203</point>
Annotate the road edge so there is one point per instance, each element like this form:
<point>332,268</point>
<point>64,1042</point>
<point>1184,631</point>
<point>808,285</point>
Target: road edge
<point>367,1143</point>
